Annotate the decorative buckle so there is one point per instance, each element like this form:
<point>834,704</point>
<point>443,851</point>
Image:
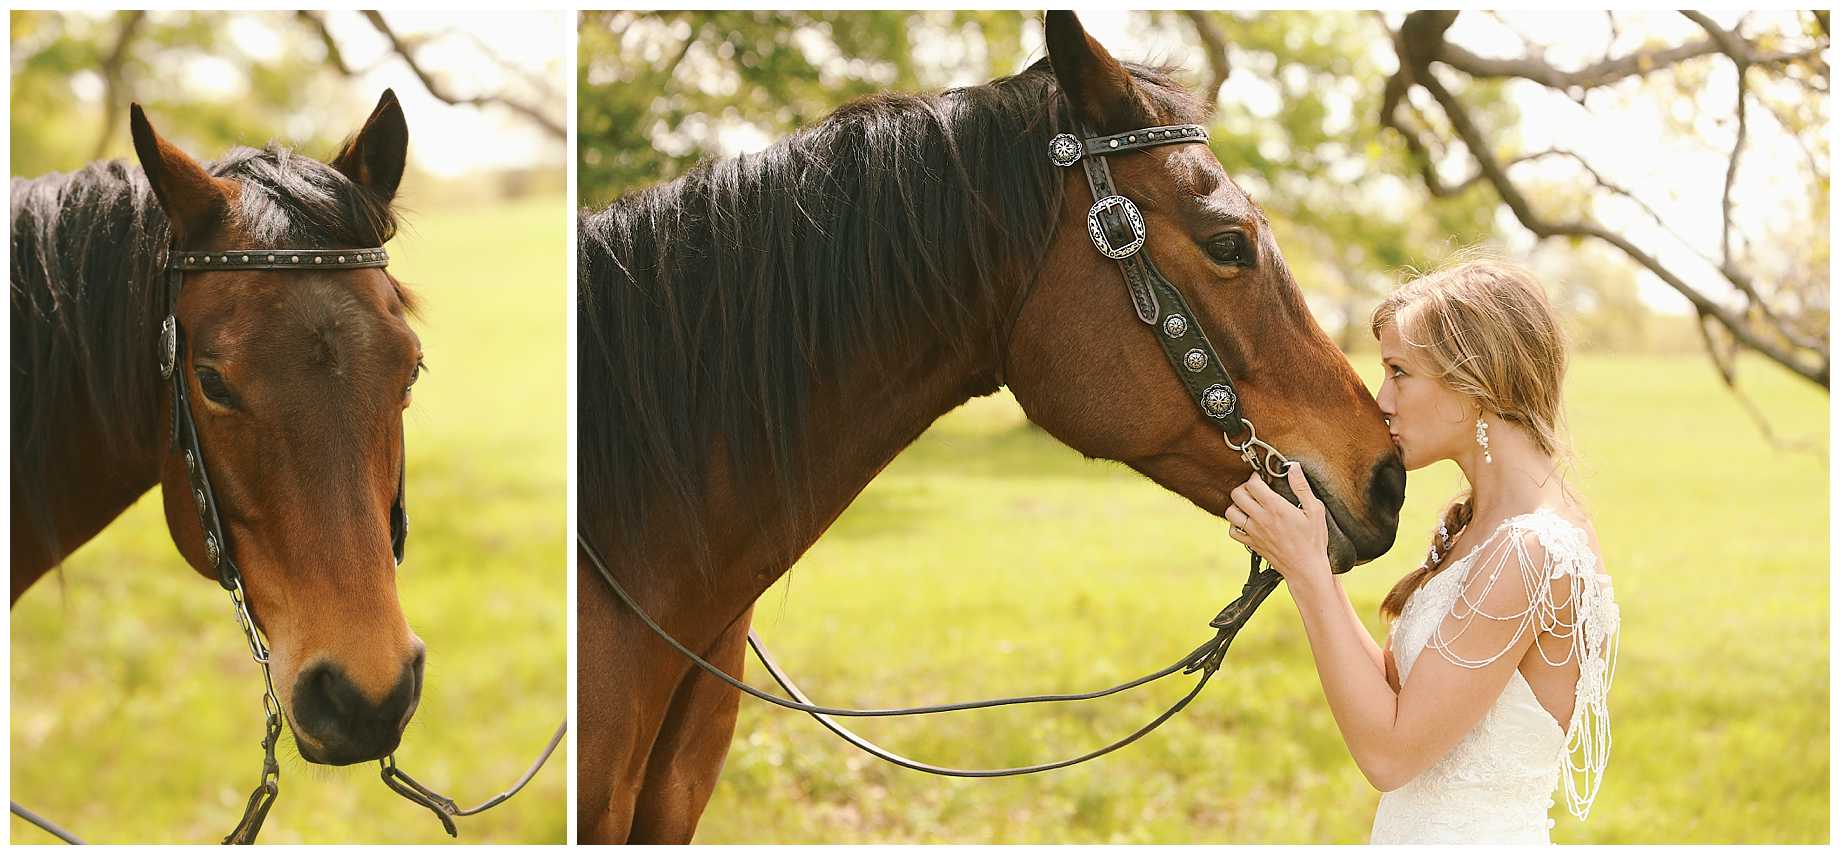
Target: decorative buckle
<point>169,346</point>
<point>1065,150</point>
<point>1218,400</point>
<point>1132,217</point>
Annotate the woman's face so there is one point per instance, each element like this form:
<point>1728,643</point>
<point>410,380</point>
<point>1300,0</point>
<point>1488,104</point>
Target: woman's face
<point>1428,420</point>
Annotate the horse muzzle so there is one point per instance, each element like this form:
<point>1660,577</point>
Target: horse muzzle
<point>337,724</point>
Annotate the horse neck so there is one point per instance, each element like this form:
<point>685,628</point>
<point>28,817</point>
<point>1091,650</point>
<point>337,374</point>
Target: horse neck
<point>714,253</point>
<point>89,483</point>
<point>84,450</point>
<point>860,422</point>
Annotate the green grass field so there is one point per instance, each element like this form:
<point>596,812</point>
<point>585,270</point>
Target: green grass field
<point>136,711</point>
<point>989,559</point>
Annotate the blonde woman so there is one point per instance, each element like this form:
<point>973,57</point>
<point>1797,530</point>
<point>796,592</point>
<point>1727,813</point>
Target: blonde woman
<point>1492,688</point>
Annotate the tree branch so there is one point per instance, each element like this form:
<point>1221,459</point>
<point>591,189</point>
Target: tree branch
<point>317,22</point>
<point>1414,43</point>
<point>1816,166</point>
<point>1728,269</point>
<point>1517,202</point>
<point>1727,366</point>
<point>536,81</point>
<point>439,90</point>
<point>670,69</point>
<point>1634,64</point>
<point>1732,45</point>
<point>111,78</point>
<point>1219,65</point>
<point>1610,17</point>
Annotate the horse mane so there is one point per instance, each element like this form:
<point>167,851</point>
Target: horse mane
<point>87,293</point>
<point>709,307</point>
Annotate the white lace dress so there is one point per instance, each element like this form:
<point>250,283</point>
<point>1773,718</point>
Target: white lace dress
<point>1496,784</point>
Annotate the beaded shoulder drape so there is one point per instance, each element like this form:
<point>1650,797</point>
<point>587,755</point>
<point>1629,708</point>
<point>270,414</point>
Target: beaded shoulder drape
<point>1497,784</point>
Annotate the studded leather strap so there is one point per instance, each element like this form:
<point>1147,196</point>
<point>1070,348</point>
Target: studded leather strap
<point>1145,138</point>
<point>185,440</point>
<point>1156,300</point>
<point>281,259</point>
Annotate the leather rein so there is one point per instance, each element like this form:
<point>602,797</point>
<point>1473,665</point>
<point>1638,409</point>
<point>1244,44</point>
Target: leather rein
<point>1117,230</point>
<point>217,545</point>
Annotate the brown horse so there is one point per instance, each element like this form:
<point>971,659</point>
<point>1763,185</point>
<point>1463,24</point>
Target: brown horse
<point>762,336</point>
<point>297,379</point>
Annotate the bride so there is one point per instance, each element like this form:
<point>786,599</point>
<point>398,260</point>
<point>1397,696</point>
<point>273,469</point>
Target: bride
<point>1493,684</point>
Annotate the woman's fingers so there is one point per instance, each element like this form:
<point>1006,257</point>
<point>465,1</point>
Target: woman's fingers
<point>1244,499</point>
<point>1240,525</point>
<point>1268,498</point>
<point>1300,484</point>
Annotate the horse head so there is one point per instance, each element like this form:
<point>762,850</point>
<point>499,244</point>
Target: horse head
<point>297,383</point>
<point>1088,371</point>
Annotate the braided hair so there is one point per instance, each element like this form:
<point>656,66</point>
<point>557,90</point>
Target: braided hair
<point>1455,519</point>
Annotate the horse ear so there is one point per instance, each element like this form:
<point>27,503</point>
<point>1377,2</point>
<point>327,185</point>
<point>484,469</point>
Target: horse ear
<point>1098,86</point>
<point>192,199</point>
<point>373,157</point>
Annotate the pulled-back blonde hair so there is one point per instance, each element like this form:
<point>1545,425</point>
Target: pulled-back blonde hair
<point>1484,328</point>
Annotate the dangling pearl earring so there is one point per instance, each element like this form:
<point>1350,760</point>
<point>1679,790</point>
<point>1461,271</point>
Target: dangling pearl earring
<point>1482,439</point>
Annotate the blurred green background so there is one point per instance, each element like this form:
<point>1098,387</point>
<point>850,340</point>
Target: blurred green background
<point>1063,574</point>
<point>136,711</point>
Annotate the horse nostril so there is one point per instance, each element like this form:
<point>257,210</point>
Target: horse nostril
<point>324,698</point>
<point>334,690</point>
<point>1386,490</point>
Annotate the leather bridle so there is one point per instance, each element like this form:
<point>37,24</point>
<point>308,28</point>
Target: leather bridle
<point>185,429</point>
<point>217,551</point>
<point>217,547</point>
<point>1117,230</point>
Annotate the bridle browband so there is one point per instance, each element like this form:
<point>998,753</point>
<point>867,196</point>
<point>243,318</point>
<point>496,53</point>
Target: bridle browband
<point>1117,230</point>
<point>218,553</point>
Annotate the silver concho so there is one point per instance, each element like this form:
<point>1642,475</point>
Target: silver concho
<point>169,346</point>
<point>1065,150</point>
<point>1132,217</point>
<point>1175,326</point>
<point>1195,359</point>
<point>198,497</point>
<point>1217,400</point>
<point>211,552</point>
<point>191,463</point>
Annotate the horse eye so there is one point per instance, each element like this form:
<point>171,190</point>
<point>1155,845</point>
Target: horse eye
<point>1229,248</point>
<point>415,374</point>
<point>213,385</point>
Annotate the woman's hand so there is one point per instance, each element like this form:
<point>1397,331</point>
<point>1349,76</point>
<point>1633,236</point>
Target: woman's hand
<point>1294,540</point>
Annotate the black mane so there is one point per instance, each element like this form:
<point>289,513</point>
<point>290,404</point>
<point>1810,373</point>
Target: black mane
<point>87,298</point>
<point>710,306</point>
